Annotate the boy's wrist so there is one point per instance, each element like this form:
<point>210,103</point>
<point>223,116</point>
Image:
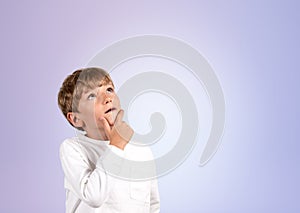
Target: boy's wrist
<point>121,144</point>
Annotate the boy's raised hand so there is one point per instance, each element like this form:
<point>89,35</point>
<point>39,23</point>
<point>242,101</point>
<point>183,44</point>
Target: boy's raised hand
<point>120,133</point>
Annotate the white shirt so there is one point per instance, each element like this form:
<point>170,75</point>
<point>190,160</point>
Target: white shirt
<point>90,189</point>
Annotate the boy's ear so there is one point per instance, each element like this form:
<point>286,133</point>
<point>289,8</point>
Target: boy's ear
<point>73,118</point>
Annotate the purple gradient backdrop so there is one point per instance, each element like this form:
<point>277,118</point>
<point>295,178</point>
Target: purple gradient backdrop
<point>252,45</point>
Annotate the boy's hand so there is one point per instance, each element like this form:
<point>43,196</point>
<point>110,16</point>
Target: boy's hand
<point>120,133</point>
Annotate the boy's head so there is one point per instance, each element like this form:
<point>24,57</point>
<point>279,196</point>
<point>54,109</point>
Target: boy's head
<point>86,96</point>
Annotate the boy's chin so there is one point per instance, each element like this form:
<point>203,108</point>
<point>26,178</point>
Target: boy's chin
<point>111,120</point>
<point>111,117</point>
<point>111,123</point>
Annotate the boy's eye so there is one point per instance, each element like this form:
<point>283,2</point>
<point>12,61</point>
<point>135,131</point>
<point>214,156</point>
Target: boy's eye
<point>91,96</point>
<point>110,89</point>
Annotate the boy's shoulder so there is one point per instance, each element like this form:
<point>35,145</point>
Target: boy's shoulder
<point>69,145</point>
<point>134,151</point>
<point>69,141</point>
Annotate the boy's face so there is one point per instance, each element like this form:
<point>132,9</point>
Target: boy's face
<point>97,103</point>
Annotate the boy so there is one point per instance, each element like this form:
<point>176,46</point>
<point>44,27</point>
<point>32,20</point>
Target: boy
<point>88,101</point>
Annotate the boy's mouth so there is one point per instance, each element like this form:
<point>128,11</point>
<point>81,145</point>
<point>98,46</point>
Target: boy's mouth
<point>109,110</point>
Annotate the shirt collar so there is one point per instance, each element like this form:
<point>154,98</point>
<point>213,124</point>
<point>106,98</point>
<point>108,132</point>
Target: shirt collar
<point>83,137</point>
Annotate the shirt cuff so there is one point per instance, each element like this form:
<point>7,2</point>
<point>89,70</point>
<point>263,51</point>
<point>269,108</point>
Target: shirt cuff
<point>117,150</point>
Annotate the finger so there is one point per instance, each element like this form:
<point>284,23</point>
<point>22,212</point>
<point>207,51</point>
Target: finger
<point>119,117</point>
<point>106,127</point>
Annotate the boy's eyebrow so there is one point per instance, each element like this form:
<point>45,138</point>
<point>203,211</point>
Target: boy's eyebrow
<point>100,85</point>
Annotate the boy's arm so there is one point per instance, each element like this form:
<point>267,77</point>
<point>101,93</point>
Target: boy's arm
<point>92,185</point>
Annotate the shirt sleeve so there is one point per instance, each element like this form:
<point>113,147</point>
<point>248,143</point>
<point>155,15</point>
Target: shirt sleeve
<point>91,183</point>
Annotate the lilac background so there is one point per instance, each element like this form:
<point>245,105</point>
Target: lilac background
<point>252,45</point>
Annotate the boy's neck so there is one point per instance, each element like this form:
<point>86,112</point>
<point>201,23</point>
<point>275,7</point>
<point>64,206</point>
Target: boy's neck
<point>99,135</point>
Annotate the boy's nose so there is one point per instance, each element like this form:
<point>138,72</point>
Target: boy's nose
<point>107,100</point>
